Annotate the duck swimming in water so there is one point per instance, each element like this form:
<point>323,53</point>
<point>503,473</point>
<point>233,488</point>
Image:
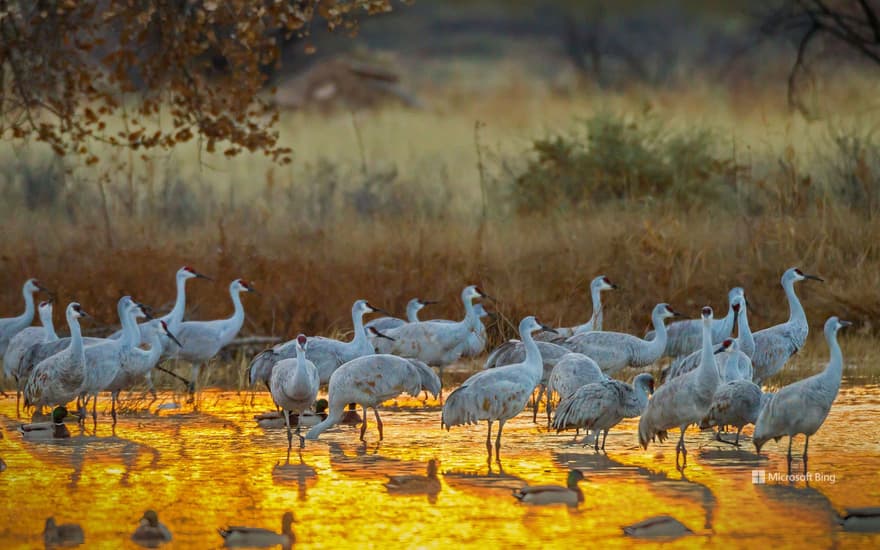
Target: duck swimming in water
<point>55,429</point>
<point>416,484</point>
<point>255,537</point>
<point>150,532</point>
<point>570,495</point>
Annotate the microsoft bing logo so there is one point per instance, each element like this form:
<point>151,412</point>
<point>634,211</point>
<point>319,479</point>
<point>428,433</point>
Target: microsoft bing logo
<point>759,477</point>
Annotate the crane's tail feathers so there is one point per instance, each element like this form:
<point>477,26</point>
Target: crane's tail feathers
<point>429,379</point>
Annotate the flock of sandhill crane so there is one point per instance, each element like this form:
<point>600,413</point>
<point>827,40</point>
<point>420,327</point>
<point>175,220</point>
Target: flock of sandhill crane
<point>713,379</point>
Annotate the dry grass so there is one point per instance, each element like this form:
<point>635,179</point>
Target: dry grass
<point>318,235</point>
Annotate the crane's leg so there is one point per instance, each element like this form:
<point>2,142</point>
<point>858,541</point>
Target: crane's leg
<point>498,442</point>
<point>489,440</point>
<point>548,408</point>
<point>17,402</point>
<point>577,432</point>
<point>194,382</point>
<point>681,449</point>
<point>379,422</point>
<point>286,414</point>
<point>537,403</point>
<point>302,440</point>
<point>364,425</point>
<point>596,442</point>
<point>806,446</point>
<point>95,413</point>
<point>113,397</point>
<point>790,438</point>
<point>152,388</point>
<point>738,432</point>
<point>603,439</point>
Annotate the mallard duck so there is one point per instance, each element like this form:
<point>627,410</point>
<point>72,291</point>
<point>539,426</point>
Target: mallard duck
<point>275,419</point>
<point>416,484</point>
<point>150,532</point>
<point>657,527</point>
<point>256,537</point>
<point>861,519</point>
<point>66,534</point>
<point>54,429</point>
<point>570,495</point>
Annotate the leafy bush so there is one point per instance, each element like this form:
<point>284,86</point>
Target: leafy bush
<point>616,159</point>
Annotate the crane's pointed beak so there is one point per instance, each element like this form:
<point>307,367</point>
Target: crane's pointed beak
<point>548,329</point>
<point>381,335</point>
<point>844,323</point>
<point>200,276</point>
<point>377,309</point>
<point>429,302</point>
<point>814,278</point>
<point>146,310</point>
<point>173,338</point>
<point>719,350</point>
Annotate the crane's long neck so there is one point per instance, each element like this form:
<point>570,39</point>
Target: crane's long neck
<point>301,376</point>
<point>360,333</point>
<point>745,339</point>
<point>834,370</point>
<point>76,341</point>
<point>152,356</point>
<point>174,318</point>
<point>596,318</point>
<point>335,415</point>
<point>48,325</point>
<point>795,309</point>
<point>131,334</point>
<point>724,328</point>
<point>237,319</point>
<point>27,317</point>
<point>412,312</point>
<point>652,350</point>
<point>708,370</point>
<point>533,357</point>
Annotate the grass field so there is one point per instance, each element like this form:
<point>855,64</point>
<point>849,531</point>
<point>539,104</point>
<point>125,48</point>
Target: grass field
<point>676,195</point>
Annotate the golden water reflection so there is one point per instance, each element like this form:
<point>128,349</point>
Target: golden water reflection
<point>215,467</point>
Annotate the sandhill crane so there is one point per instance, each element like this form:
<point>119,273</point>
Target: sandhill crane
<point>741,359</point>
<point>599,285</point>
<point>497,394</point>
<point>412,316</point>
<point>294,386</point>
<point>435,343</point>
<point>22,342</point>
<point>684,400</point>
<point>801,407</point>
<point>201,340</point>
<point>570,495</point>
<point>104,361</point>
<point>615,350</point>
<point>255,537</point>
<point>572,371</point>
<point>774,345</point>
<point>56,379</point>
<point>602,405</point>
<point>10,326</point>
<point>150,532</point>
<point>371,380</point>
<point>514,351</point>
<point>138,363</point>
<point>736,403</point>
<point>326,353</point>
<point>174,317</point>
<point>684,336</point>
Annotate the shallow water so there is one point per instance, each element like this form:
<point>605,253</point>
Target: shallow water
<point>207,469</point>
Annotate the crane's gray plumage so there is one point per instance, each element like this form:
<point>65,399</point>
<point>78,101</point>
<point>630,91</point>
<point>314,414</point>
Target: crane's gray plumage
<point>173,318</point>
<point>326,353</point>
<point>514,351</point>
<point>776,344</point>
<point>736,403</point>
<point>684,336</point>
<point>497,394</point>
<point>10,326</point>
<point>56,380</point>
<point>734,362</point>
<point>202,340</point>
<point>294,386</point>
<point>371,380</point>
<point>602,405</point>
<point>13,359</point>
<point>572,371</point>
<point>684,400</point>
<point>613,351</point>
<point>432,342</point>
<point>597,286</point>
<point>801,407</point>
<point>412,316</point>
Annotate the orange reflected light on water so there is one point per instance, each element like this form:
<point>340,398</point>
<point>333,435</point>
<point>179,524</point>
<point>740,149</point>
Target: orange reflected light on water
<point>216,467</point>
